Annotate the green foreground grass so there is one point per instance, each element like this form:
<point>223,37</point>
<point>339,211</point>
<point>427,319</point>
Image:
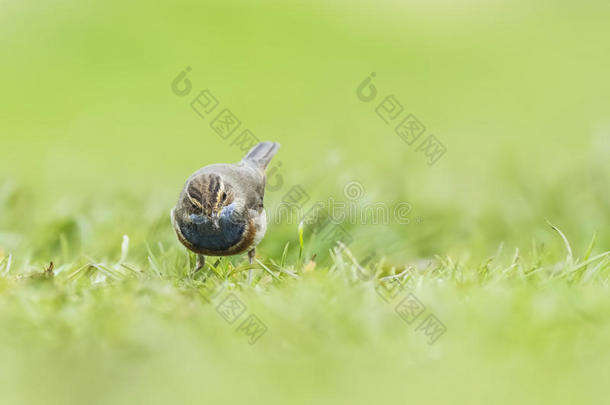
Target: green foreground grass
<point>519,328</point>
<point>94,145</point>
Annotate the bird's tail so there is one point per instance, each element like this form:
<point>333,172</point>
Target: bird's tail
<point>260,155</point>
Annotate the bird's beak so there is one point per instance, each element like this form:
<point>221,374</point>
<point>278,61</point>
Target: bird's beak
<point>215,220</point>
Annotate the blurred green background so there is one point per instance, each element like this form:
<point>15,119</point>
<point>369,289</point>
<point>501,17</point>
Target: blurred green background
<point>517,92</point>
<point>94,145</point>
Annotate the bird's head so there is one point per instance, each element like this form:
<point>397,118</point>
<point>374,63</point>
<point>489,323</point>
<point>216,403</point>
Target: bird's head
<point>207,195</point>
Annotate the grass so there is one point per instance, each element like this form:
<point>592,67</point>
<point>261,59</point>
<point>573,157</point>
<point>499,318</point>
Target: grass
<point>139,327</point>
<point>507,240</point>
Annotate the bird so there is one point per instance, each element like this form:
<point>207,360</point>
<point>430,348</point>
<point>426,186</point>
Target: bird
<point>220,210</point>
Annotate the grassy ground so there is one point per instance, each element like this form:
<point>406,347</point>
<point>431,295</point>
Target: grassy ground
<point>504,242</point>
<point>517,328</point>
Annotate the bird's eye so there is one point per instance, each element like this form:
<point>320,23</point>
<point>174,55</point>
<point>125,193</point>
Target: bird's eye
<point>224,196</point>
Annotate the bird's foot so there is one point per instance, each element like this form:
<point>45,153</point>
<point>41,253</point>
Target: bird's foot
<point>201,264</point>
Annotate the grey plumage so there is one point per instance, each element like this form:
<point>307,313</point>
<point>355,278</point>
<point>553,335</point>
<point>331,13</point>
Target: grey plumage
<point>220,210</point>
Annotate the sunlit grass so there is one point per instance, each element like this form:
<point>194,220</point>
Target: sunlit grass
<point>93,325</point>
<point>507,243</point>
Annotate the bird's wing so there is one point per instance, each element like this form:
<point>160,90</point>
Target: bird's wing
<point>252,184</point>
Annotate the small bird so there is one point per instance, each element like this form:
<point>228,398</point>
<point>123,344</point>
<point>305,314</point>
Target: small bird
<point>220,210</point>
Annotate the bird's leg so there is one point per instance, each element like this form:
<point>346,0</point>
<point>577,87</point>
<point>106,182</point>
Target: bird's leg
<point>251,256</point>
<point>200,264</point>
